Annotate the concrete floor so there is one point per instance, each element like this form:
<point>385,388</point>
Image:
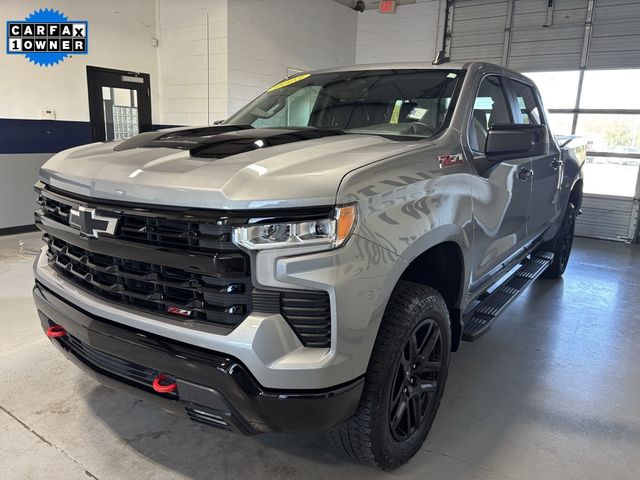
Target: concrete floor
<point>551,392</point>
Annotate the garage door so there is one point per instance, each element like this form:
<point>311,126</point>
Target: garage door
<point>607,217</point>
<point>581,53</point>
<point>542,35</point>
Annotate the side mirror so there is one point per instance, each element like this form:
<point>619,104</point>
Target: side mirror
<point>506,141</point>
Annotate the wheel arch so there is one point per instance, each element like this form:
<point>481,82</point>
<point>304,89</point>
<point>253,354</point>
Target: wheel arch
<point>438,260</point>
<point>442,267</point>
<point>575,196</point>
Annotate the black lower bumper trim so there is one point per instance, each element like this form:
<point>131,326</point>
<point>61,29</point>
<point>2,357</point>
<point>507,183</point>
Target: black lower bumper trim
<point>212,388</point>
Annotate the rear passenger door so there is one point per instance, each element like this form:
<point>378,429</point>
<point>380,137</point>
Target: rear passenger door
<point>547,169</point>
<point>500,190</point>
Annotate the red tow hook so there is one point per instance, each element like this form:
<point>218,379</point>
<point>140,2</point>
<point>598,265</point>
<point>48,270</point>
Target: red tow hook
<point>160,384</point>
<point>55,331</point>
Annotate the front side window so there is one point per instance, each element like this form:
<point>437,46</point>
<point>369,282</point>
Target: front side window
<point>395,103</point>
<point>527,104</point>
<point>490,106</point>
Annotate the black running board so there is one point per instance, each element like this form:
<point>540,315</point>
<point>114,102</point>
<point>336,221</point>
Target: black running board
<point>480,319</point>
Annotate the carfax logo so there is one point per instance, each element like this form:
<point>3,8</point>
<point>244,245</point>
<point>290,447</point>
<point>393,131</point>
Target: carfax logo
<point>47,37</point>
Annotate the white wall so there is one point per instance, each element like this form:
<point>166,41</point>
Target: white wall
<point>120,33</point>
<point>267,37</point>
<point>188,64</point>
<point>409,35</point>
<point>251,45</point>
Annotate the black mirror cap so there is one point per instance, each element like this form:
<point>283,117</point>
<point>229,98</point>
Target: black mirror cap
<point>510,141</point>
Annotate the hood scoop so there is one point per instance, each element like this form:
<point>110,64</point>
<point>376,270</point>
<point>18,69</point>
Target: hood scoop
<point>222,141</point>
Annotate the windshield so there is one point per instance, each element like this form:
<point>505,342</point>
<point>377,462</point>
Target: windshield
<point>412,103</point>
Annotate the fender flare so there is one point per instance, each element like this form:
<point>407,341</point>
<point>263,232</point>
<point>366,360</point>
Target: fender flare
<point>443,234</point>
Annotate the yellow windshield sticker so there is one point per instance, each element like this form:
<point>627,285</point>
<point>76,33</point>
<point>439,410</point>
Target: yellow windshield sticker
<point>395,114</point>
<point>286,83</point>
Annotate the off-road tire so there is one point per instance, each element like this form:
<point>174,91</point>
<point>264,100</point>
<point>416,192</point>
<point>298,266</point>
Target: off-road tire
<point>562,243</point>
<point>367,436</point>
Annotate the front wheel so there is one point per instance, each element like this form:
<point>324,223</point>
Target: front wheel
<point>404,382</point>
<point>562,243</point>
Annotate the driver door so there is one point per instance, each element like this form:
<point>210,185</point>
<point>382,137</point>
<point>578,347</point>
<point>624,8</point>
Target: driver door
<point>500,191</point>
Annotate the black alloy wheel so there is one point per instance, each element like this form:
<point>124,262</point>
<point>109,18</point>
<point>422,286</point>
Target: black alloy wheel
<point>404,381</point>
<point>415,381</point>
<point>561,244</point>
<point>566,241</point>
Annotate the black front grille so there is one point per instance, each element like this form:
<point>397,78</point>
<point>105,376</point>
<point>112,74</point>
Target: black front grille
<point>192,235</point>
<point>162,229</point>
<point>177,263</point>
<point>55,210</point>
<point>169,291</point>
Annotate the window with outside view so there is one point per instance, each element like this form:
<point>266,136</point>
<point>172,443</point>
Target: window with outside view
<point>609,123</point>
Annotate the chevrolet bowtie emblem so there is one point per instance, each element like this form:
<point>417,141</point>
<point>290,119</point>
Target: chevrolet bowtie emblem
<point>90,223</point>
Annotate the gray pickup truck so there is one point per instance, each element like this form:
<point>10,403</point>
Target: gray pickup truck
<point>309,263</point>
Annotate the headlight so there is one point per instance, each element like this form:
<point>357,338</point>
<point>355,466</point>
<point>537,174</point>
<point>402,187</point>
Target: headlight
<point>331,232</point>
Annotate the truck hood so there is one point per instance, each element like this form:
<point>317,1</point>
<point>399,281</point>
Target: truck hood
<point>293,173</point>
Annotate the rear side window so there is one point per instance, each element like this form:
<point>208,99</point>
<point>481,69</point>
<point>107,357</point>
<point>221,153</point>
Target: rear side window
<point>527,104</point>
<point>490,106</point>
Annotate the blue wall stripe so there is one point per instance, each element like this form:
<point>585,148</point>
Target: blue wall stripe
<point>41,136</point>
<point>44,136</point>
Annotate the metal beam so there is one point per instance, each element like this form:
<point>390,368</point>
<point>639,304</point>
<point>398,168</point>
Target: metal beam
<point>588,30</point>
<point>634,225</point>
<point>614,155</point>
<point>506,46</point>
<point>549,20</point>
<point>444,54</point>
<point>614,111</point>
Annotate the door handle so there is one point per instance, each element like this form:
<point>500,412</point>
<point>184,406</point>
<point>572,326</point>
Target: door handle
<point>556,163</point>
<point>525,174</point>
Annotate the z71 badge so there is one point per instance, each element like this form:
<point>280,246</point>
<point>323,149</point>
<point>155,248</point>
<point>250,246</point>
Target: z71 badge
<point>450,160</point>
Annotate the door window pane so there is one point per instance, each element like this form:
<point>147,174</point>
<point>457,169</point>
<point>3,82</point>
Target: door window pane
<point>490,107</point>
<point>122,97</point>
<point>557,89</point>
<point>120,107</point>
<point>611,89</point>
<point>529,111</point>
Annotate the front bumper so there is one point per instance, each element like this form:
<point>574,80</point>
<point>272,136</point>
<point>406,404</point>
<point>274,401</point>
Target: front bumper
<point>358,278</point>
<point>212,388</point>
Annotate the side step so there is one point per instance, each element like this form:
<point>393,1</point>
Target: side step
<point>479,320</point>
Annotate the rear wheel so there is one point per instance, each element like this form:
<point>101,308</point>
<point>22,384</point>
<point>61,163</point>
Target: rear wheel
<point>562,243</point>
<point>404,382</point>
